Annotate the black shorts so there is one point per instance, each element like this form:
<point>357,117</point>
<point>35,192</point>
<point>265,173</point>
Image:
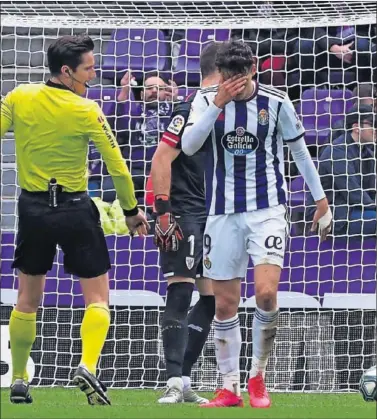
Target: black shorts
<point>188,260</point>
<point>74,225</point>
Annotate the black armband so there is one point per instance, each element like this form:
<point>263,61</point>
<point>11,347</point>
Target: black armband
<point>162,204</point>
<point>131,212</point>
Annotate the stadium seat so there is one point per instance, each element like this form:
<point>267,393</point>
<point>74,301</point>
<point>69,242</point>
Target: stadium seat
<point>183,92</point>
<point>139,50</point>
<point>106,99</point>
<point>135,298</point>
<point>319,109</point>
<point>288,299</point>
<point>342,78</point>
<point>349,301</point>
<point>187,70</point>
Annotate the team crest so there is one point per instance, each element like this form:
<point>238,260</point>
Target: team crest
<point>176,125</point>
<point>240,131</point>
<point>207,263</point>
<point>189,262</point>
<point>263,117</point>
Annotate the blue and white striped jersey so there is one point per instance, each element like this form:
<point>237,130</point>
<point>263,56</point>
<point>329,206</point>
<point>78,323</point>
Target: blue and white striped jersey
<point>245,162</point>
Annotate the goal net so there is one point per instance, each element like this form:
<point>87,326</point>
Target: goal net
<point>326,335</point>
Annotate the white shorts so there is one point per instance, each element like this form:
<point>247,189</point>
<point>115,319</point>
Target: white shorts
<point>230,239</point>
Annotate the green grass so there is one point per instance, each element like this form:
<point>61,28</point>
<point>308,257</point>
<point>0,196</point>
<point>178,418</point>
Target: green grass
<point>70,403</point>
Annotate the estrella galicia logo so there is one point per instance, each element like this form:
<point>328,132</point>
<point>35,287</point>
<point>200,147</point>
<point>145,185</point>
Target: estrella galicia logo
<point>274,242</point>
<point>239,142</point>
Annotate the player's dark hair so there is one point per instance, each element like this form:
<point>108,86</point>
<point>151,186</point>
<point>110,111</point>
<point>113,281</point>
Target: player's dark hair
<point>234,57</point>
<point>68,50</point>
<point>207,59</point>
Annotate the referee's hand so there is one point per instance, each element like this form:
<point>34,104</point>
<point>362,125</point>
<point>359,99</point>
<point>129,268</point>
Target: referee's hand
<point>138,224</point>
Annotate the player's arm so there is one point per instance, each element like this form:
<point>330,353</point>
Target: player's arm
<point>202,118</point>
<point>105,142</point>
<point>292,131</point>
<point>204,114</point>
<point>167,232</point>
<point>6,114</point>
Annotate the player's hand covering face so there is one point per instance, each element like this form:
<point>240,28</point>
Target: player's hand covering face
<point>229,89</point>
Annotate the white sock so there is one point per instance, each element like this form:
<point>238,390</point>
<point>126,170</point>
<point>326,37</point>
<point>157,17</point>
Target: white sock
<point>175,382</point>
<point>264,331</point>
<point>228,348</point>
<point>186,381</point>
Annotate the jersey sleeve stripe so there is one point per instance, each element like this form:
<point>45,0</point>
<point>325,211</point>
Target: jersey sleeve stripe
<point>295,139</point>
<point>169,142</point>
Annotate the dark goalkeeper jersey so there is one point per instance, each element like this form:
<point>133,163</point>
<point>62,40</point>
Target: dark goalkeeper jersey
<point>187,178</point>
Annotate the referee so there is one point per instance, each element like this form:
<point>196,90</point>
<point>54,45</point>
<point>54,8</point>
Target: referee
<point>52,126</point>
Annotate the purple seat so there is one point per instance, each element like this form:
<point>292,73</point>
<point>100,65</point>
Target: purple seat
<point>106,99</point>
<point>140,50</point>
<point>336,77</point>
<point>342,77</point>
<point>319,109</point>
<point>187,70</point>
<point>183,92</point>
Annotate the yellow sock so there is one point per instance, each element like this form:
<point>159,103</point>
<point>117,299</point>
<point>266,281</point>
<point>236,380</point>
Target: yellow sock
<point>94,328</point>
<point>22,330</point>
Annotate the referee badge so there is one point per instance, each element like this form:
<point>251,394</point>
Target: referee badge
<point>263,117</point>
<point>207,263</point>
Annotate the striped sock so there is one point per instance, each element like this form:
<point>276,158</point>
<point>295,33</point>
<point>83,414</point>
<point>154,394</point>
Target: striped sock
<point>264,331</point>
<point>228,348</point>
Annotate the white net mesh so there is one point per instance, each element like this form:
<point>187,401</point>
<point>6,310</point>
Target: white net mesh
<point>326,331</point>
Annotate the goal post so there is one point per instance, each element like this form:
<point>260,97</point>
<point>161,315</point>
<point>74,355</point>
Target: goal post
<point>326,335</point>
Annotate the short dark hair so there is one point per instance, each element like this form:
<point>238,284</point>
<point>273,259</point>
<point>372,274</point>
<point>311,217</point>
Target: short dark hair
<point>234,57</point>
<point>364,90</point>
<point>155,73</point>
<point>359,113</point>
<point>208,59</point>
<point>67,50</point>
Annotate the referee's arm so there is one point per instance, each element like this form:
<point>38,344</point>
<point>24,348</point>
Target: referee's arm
<point>100,133</point>
<point>6,114</point>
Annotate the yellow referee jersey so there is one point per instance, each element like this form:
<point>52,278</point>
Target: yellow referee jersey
<point>52,127</point>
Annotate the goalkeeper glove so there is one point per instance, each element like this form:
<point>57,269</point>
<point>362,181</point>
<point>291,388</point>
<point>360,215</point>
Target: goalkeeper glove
<point>167,233</point>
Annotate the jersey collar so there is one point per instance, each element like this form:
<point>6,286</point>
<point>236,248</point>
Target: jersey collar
<point>50,83</point>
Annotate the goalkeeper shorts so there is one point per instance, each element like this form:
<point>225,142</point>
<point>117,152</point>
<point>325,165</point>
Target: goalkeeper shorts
<point>74,225</point>
<point>187,262</point>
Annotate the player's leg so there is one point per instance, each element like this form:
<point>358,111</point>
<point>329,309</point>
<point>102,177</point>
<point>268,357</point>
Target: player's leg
<point>267,248</point>
<point>199,325</point>
<point>225,261</point>
<point>175,335</point>
<point>86,256</point>
<point>180,268</point>
<point>34,256</point>
<point>22,330</point>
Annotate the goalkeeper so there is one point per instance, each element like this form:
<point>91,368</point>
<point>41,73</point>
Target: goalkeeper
<point>52,128</point>
<point>178,186</point>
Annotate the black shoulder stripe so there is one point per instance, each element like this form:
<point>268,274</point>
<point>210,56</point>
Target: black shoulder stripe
<point>206,99</point>
<point>276,93</point>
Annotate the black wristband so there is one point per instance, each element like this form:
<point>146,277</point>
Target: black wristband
<point>131,212</point>
<point>162,206</point>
